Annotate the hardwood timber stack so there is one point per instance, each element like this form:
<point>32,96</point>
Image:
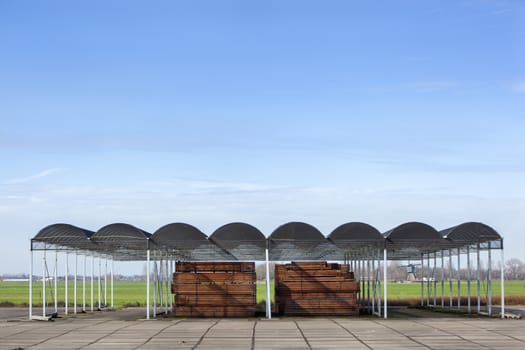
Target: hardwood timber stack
<point>214,289</point>
<point>316,289</point>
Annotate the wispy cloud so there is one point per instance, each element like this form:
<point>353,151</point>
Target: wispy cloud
<point>519,87</point>
<point>195,185</point>
<point>429,85</point>
<point>29,178</point>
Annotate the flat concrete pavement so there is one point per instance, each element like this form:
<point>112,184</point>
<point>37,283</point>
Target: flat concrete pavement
<point>413,329</point>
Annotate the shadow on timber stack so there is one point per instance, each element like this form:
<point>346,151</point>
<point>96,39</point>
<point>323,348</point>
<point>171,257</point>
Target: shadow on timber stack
<point>214,289</point>
<point>315,289</point>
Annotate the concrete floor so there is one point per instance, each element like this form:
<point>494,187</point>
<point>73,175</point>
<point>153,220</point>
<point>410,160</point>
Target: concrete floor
<point>406,329</point>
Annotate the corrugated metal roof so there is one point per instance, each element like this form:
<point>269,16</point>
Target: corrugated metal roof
<point>66,236</point>
<point>291,241</point>
<point>301,241</point>
<point>188,243</point>
<point>357,240</point>
<point>413,239</point>
<point>243,241</point>
<point>470,232</point>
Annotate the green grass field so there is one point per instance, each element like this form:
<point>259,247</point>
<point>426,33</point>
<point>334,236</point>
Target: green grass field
<point>133,293</point>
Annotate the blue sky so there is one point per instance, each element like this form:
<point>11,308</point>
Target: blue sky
<point>264,111</point>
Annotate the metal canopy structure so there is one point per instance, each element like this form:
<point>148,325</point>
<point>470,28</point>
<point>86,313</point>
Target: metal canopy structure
<point>244,242</point>
<point>356,243</point>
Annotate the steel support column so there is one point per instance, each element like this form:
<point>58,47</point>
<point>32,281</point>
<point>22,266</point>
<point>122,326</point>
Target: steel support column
<point>31,280</point>
<point>385,273</point>
<point>268,300</point>
<point>502,282</point>
<point>147,282</point>
<point>66,280</point>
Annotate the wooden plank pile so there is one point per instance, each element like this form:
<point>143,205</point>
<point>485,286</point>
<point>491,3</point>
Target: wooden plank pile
<point>214,289</point>
<point>316,289</point>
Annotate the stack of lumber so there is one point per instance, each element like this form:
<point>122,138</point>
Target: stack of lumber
<point>214,289</point>
<point>315,288</point>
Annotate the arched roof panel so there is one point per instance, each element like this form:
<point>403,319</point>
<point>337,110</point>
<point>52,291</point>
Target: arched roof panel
<point>471,232</point>
<point>123,241</point>
<point>297,231</point>
<point>412,231</point>
<point>179,235</point>
<point>242,240</point>
<point>357,239</point>
<point>66,236</point>
<point>301,241</point>
<point>412,240</point>
<point>188,243</point>
<point>356,231</point>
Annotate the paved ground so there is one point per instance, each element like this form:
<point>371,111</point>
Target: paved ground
<point>406,329</point>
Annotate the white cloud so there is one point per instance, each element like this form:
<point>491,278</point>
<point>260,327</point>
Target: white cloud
<point>39,175</point>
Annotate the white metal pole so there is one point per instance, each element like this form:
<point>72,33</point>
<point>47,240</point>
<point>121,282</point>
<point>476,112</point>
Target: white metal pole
<point>379,283</point>
<point>459,279</point>
<point>92,278</point>
<point>422,283</point>
<point>442,279</point>
<point>160,281</point>
<point>489,283</point>
<point>56,281</point>
<point>66,280</point>
<point>478,266</point>
<point>435,279</point>
<point>428,280</point>
<point>268,300</point>
<point>106,282</point>
<point>166,281</point>
<point>154,286</point>
<point>99,284</point>
<point>468,280</point>
<point>31,281</point>
<point>44,273</point>
<point>385,283</point>
<point>373,286</point>
<point>450,276</point>
<point>368,285</point>
<point>147,283</point>
<point>502,283</point>
<point>75,284</point>
<point>112,277</point>
<point>84,286</point>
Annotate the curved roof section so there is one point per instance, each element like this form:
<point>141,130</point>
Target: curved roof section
<point>179,235</point>
<point>301,241</point>
<point>65,235</point>
<point>357,239</point>
<point>126,241</point>
<point>413,239</point>
<point>188,243</point>
<point>412,231</point>
<point>297,231</point>
<point>242,240</point>
<point>471,232</point>
<point>355,232</point>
